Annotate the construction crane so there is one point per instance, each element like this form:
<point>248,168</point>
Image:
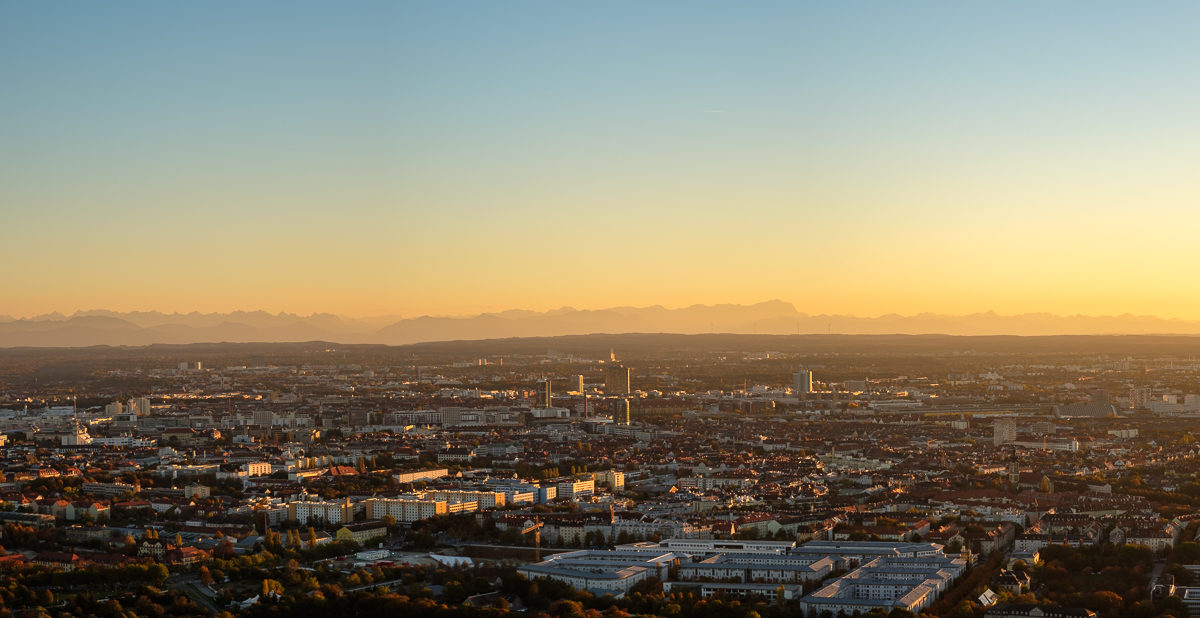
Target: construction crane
<point>536,529</point>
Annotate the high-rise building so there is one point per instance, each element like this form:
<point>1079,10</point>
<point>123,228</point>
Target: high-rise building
<point>802,382</point>
<point>616,380</point>
<point>621,412</point>
<point>1004,431</point>
<point>544,397</point>
<point>1139,397</point>
<point>139,406</point>
<point>579,387</point>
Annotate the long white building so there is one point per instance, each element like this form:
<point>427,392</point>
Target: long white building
<point>602,572</point>
<point>911,583</point>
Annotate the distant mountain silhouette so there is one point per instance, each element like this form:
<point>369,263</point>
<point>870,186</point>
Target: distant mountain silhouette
<point>99,327</point>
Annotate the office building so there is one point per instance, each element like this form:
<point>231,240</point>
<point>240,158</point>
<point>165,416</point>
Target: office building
<point>616,380</point>
<point>802,382</point>
<point>621,414</point>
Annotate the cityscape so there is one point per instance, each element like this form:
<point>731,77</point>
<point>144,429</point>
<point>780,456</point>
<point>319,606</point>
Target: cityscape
<point>775,309</point>
<point>868,475</point>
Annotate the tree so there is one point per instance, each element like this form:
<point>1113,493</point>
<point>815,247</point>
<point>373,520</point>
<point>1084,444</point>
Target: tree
<point>158,574</point>
<point>206,577</point>
<point>565,608</point>
<point>224,550</point>
<point>271,587</point>
<point>965,609</point>
<point>1106,602</point>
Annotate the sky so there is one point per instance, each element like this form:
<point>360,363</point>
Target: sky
<point>405,158</point>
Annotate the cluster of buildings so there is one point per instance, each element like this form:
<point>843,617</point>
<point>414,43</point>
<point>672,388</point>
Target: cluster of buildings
<point>842,496</point>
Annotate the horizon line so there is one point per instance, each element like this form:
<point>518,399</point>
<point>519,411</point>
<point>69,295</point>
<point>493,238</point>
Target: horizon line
<point>50,316</point>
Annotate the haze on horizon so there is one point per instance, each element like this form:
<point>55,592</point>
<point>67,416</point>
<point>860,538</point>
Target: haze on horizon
<point>387,158</point>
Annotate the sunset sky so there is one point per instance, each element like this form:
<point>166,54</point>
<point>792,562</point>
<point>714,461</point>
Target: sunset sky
<point>455,157</point>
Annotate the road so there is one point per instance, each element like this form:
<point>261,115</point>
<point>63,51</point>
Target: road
<point>1155,573</point>
<point>196,591</point>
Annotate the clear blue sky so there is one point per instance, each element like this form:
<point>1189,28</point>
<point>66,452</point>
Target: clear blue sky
<point>395,157</point>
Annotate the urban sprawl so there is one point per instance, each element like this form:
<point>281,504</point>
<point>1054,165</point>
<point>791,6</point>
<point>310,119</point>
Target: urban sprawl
<point>330,481</point>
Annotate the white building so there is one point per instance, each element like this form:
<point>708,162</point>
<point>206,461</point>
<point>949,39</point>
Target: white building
<point>884,583</point>
<point>485,499</point>
<point>708,547</point>
<point>421,475</point>
<point>576,489</point>
<point>414,509</point>
<point>1004,431</point>
<point>332,511</point>
<point>257,468</point>
<point>760,568</point>
<point>734,590</point>
<point>602,572</point>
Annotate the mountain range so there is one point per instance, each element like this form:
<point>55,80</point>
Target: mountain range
<point>100,327</point>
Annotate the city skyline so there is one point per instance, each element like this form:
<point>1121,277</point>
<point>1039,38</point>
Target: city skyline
<point>404,159</point>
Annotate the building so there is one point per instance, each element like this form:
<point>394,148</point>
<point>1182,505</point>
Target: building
<point>802,383</point>
<point>466,417</point>
<point>139,406</point>
<point>612,479</point>
<point>1031,610</point>
<point>616,380</point>
<point>257,468</point>
<point>263,418</point>
<point>861,552</point>
<point>759,568</point>
<point>706,547</point>
<point>734,590</point>
<point>362,533</point>
<point>456,454</point>
<point>484,499</point>
<point>1012,582</point>
<point>1139,397</point>
<point>332,511</point>
<point>602,572</point>
<point>545,395</point>
<point>571,489</point>
<point>421,475</point>
<point>404,510</point>
<point>621,414</point>
<point>154,548</point>
<point>1004,431</point>
<point>885,583</point>
<point>1098,406</point>
<point>78,436</point>
<point>109,489</point>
